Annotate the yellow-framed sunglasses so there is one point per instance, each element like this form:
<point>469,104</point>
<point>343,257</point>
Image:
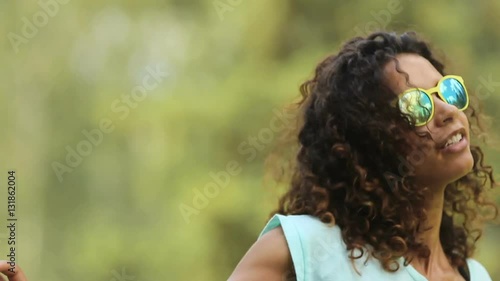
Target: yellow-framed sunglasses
<point>419,104</point>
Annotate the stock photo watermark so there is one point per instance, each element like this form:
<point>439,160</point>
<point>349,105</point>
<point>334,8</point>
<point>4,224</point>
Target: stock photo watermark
<point>224,6</point>
<point>407,166</point>
<point>11,179</point>
<point>382,18</point>
<point>121,275</point>
<point>120,108</point>
<point>31,25</point>
<point>486,87</point>
<point>249,148</point>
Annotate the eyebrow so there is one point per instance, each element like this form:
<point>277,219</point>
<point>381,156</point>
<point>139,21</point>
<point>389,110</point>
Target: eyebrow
<point>435,83</point>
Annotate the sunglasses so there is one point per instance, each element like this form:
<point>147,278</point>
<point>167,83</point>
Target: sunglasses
<point>419,104</point>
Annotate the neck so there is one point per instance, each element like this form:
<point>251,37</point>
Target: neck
<point>434,208</point>
<point>430,237</point>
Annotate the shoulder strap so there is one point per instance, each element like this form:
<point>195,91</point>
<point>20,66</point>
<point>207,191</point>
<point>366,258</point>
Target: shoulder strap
<point>293,239</point>
<point>464,271</point>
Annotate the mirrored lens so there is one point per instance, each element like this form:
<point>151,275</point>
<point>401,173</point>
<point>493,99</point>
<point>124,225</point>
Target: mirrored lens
<point>416,104</point>
<point>454,92</point>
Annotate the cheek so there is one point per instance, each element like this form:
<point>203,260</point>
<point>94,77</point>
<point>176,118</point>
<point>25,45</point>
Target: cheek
<point>422,154</point>
<point>464,120</point>
<point>417,160</point>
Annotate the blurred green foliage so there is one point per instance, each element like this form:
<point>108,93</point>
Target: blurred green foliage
<point>231,64</point>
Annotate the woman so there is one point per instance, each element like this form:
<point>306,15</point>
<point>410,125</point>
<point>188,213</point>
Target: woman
<point>387,184</point>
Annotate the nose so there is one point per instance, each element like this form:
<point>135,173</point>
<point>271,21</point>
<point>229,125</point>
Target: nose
<point>443,112</point>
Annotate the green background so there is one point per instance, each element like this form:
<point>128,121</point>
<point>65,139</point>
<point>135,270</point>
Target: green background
<point>228,67</point>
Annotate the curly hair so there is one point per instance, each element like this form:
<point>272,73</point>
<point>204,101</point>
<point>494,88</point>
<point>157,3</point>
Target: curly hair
<point>350,147</point>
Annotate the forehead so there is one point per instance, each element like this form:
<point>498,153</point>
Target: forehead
<point>421,73</point>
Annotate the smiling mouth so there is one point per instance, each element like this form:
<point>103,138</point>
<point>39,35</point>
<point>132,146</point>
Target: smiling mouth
<point>458,137</point>
<point>453,138</point>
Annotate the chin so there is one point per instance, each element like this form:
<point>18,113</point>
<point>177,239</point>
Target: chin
<point>462,166</point>
<point>445,171</point>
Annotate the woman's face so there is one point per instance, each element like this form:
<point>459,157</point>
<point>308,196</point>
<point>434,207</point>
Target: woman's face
<point>434,165</point>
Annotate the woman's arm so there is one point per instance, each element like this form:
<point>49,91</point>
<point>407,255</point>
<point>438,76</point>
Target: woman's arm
<point>268,259</point>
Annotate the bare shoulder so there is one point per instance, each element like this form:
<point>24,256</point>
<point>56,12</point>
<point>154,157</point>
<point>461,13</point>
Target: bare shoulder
<point>268,259</point>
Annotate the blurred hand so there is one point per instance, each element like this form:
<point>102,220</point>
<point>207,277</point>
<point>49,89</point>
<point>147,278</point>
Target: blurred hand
<point>17,275</point>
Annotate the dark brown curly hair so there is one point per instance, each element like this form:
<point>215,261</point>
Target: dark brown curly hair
<point>347,157</point>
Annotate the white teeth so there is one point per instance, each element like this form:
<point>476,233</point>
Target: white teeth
<point>456,138</point>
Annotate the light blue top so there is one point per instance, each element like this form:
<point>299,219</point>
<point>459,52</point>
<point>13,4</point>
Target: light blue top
<point>319,254</point>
